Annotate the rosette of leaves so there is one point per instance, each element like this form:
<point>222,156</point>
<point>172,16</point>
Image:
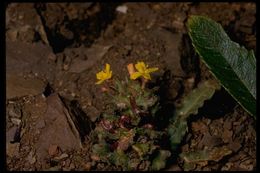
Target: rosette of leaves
<point>127,138</point>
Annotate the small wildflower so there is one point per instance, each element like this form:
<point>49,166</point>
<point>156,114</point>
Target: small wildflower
<point>104,75</point>
<point>142,70</point>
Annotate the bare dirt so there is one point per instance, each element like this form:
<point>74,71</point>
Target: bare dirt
<point>54,51</point>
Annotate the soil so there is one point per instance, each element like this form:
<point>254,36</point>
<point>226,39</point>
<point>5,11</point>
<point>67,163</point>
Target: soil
<point>55,50</point>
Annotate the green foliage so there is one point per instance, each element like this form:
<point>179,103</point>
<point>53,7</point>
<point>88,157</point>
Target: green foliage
<point>201,156</point>
<point>190,105</point>
<point>232,65</point>
<point>127,138</point>
<point>160,160</point>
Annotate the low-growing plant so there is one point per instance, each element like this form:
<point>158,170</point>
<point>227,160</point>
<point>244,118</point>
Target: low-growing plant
<point>128,137</point>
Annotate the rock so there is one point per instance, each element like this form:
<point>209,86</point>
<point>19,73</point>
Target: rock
<point>12,149</point>
<point>122,9</point>
<point>10,134</point>
<point>13,111</point>
<point>227,135</point>
<point>174,167</point>
<point>24,58</point>
<point>87,166</point>
<point>16,121</point>
<point>17,86</point>
<point>172,43</point>
<point>31,157</point>
<point>40,124</point>
<point>61,157</point>
<point>94,54</point>
<point>55,168</point>
<point>53,150</point>
<point>234,146</point>
<point>59,129</point>
<point>210,141</point>
<point>24,23</point>
<point>92,112</point>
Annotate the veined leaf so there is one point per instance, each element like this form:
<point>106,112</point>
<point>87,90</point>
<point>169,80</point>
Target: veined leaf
<point>190,105</point>
<point>195,99</point>
<point>159,161</point>
<point>201,156</point>
<point>232,65</point>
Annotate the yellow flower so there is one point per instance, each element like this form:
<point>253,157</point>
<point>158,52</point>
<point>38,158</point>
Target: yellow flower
<point>142,70</point>
<point>104,75</point>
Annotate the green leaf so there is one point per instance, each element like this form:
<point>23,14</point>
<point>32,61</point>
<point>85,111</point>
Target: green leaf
<point>141,149</point>
<point>119,158</point>
<point>232,65</point>
<point>190,105</point>
<point>195,157</point>
<point>159,161</point>
<point>195,99</point>
<point>214,154</point>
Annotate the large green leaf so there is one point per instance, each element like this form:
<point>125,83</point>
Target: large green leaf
<point>232,65</point>
<point>190,105</point>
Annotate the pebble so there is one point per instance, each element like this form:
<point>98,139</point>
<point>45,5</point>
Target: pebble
<point>55,168</point>
<point>63,156</point>
<point>31,158</point>
<point>14,112</point>
<point>87,166</point>
<point>122,9</point>
<point>16,121</point>
<point>12,149</point>
<point>10,134</point>
<point>53,150</point>
<point>40,124</point>
<point>66,67</point>
<point>72,166</point>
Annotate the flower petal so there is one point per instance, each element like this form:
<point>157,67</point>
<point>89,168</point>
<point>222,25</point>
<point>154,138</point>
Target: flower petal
<point>140,66</point>
<point>107,68</point>
<point>147,76</point>
<point>100,75</point>
<point>135,75</point>
<point>109,75</point>
<point>99,82</point>
<point>150,70</point>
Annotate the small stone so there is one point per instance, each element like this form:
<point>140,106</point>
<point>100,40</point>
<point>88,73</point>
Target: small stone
<point>72,166</point>
<point>12,34</point>
<point>67,162</point>
<point>227,135</point>
<point>12,149</point>
<point>66,67</point>
<point>52,57</point>
<point>247,165</point>
<point>40,124</point>
<point>73,94</point>
<point>122,9</point>
<point>227,125</point>
<point>87,166</point>
<point>16,121</point>
<point>227,167</point>
<point>63,163</point>
<point>234,146</point>
<point>53,150</point>
<point>14,113</point>
<point>61,157</point>
<point>55,168</point>
<point>128,47</point>
<point>95,157</point>
<point>31,158</point>
<point>10,134</point>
